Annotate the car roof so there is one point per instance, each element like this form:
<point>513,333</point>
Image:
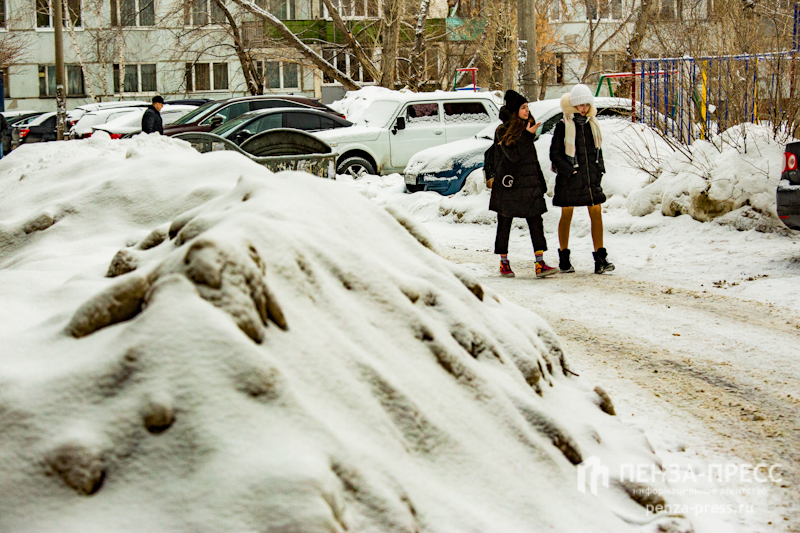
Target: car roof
<point>269,110</point>
<point>405,97</point>
<point>297,97</point>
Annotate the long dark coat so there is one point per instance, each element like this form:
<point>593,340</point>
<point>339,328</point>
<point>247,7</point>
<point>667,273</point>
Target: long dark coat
<point>151,121</point>
<point>584,187</point>
<point>526,197</point>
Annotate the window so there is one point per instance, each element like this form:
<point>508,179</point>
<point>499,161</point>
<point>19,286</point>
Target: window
<point>604,9</point>
<point>302,121</point>
<point>44,13</point>
<point>199,77</point>
<point>3,15</point>
<point>465,112</point>
<point>229,112</point>
<point>202,12</point>
<point>134,12</point>
<point>550,124</point>
<point>467,9</point>
<point>354,8</point>
<point>6,88</point>
<point>47,80</point>
<point>280,74</point>
<point>609,63</point>
<point>420,114</point>
<point>138,78</point>
<point>559,69</point>
<point>270,122</point>
<point>347,63</point>
<point>283,9</point>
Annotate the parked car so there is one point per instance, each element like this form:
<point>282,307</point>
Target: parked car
<point>213,114</point>
<point>12,118</point>
<point>444,169</point>
<point>788,194</point>
<point>37,129</point>
<point>84,127</point>
<point>394,127</point>
<point>75,115</point>
<point>245,126</point>
<point>130,123</point>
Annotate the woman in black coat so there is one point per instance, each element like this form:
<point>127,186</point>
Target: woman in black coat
<point>577,156</point>
<point>519,188</point>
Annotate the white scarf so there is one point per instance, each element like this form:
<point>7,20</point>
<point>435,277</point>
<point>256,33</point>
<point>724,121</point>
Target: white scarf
<point>569,127</point>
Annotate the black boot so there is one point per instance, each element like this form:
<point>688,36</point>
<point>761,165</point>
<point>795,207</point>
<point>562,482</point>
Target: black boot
<point>563,261</point>
<point>601,263</point>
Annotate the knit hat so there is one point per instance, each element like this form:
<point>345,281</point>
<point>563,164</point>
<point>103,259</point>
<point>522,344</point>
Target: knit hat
<point>158,99</point>
<point>581,94</point>
<point>514,101</point>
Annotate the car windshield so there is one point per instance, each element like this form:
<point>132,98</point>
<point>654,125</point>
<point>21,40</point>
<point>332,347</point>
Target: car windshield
<point>187,119</point>
<point>379,113</point>
<point>231,125</point>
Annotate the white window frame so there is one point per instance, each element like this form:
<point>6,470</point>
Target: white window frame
<point>610,17</point>
<point>50,26</point>
<point>67,94</point>
<point>189,12</point>
<point>348,57</point>
<point>211,74</point>
<point>138,7</point>
<point>338,3</point>
<point>138,79</point>
<point>262,64</point>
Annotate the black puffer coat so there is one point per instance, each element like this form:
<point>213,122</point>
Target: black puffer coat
<point>584,187</point>
<point>526,197</point>
<point>151,121</point>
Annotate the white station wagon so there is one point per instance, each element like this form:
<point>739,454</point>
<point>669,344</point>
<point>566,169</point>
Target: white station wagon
<point>397,125</point>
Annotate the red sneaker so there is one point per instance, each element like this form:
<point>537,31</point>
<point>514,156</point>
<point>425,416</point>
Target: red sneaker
<point>542,270</point>
<point>505,270</point>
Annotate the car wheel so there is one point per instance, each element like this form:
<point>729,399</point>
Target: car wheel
<point>356,167</point>
<point>415,188</point>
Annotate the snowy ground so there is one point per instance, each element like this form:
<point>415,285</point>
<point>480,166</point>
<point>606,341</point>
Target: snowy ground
<point>273,352</point>
<point>695,332</point>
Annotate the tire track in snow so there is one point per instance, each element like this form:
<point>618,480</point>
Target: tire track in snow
<point>725,366</point>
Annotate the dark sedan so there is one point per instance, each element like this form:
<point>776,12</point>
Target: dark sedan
<point>36,130</point>
<point>245,126</point>
<point>788,194</point>
<point>213,114</point>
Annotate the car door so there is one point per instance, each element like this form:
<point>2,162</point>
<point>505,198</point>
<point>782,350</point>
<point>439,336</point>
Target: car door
<point>463,119</point>
<point>423,129</point>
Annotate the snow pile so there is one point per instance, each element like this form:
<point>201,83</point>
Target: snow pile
<point>730,180</point>
<point>192,343</point>
<point>355,103</point>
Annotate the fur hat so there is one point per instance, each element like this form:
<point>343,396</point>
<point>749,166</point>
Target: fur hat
<point>581,94</point>
<point>514,101</point>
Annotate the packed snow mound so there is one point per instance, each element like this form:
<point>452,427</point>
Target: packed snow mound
<point>193,343</point>
<point>731,180</point>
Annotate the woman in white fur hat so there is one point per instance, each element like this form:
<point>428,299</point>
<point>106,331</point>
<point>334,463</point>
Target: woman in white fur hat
<point>577,156</point>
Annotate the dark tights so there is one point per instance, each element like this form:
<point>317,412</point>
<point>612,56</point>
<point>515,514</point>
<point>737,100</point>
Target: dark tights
<point>535,227</point>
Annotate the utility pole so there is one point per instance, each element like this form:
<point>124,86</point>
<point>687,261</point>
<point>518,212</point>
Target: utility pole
<point>61,101</point>
<point>526,25</point>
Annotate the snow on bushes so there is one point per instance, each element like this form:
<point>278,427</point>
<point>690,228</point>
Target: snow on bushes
<point>273,352</point>
<point>731,180</point>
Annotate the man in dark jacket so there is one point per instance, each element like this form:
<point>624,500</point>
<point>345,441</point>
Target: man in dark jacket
<point>151,121</point>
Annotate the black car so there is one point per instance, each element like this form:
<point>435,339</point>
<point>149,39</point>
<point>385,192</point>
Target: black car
<point>189,101</point>
<point>39,129</point>
<point>16,119</point>
<point>213,114</point>
<point>788,196</point>
<point>245,126</point>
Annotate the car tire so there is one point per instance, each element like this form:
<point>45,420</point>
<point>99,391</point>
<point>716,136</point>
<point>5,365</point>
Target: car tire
<point>355,166</point>
<point>415,188</point>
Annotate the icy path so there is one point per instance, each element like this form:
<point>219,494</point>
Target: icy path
<point>711,378</point>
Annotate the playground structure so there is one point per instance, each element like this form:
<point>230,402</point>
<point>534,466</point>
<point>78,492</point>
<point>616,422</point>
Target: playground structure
<point>691,98</point>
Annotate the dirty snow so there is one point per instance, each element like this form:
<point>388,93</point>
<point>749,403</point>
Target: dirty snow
<point>193,343</point>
